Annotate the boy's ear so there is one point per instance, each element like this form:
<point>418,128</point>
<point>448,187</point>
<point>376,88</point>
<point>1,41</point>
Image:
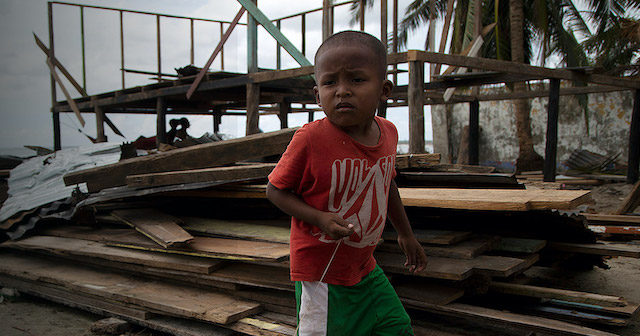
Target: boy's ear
<point>317,95</point>
<point>387,88</point>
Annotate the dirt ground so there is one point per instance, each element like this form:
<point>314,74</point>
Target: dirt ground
<point>24,315</point>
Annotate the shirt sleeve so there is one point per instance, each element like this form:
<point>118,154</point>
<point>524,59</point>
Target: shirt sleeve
<point>288,173</point>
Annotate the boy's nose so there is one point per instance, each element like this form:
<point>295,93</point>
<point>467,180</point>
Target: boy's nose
<point>343,90</point>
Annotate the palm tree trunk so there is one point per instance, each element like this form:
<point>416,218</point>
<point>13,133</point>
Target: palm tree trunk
<point>528,159</point>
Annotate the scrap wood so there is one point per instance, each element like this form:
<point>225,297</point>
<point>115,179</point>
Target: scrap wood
<point>429,292</point>
<point>208,155</point>
<point>602,248</point>
<point>468,249</point>
<point>406,161</point>
<point>436,237</point>
<point>574,315</point>
<point>171,325</point>
<point>630,202</point>
<point>253,171</point>
<point>238,229</point>
<point>561,294</point>
<point>90,249</point>
<point>493,199</point>
<point>631,309</point>
<point>506,319</point>
<point>522,245</point>
<point>219,248</point>
<point>603,219</point>
<point>616,230</point>
<point>158,226</point>
<point>172,299</point>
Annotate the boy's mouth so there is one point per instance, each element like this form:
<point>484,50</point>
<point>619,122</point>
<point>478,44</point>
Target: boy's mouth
<point>342,106</point>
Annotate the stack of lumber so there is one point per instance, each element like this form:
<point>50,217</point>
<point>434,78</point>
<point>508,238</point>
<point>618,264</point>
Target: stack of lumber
<point>185,242</point>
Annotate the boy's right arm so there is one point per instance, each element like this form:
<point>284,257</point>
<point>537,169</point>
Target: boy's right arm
<point>330,223</point>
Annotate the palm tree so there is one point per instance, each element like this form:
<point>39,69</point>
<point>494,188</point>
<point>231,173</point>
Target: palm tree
<point>554,26</point>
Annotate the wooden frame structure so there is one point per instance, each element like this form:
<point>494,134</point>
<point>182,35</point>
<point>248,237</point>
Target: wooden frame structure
<point>223,91</point>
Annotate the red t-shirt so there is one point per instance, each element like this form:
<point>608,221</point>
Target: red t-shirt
<point>332,172</point>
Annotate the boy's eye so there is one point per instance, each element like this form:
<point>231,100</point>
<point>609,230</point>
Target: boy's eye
<point>328,82</point>
<point>358,80</point>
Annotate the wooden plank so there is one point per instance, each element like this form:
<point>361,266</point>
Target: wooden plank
<point>219,248</point>
<point>90,249</point>
<point>602,248</point>
<point>194,157</point>
<point>560,294</point>
<point>158,226</point>
<point>436,237</point>
<point>631,309</point>
<point>69,298</point>
<point>521,245</point>
<point>519,68</point>
<point>256,275</point>
<point>439,268</point>
<point>625,230</point>
<point>216,51</point>
<point>429,292</point>
<point>406,161</point>
<point>237,229</point>
<point>505,319</point>
<point>630,202</point>
<point>625,220</point>
<point>498,266</point>
<point>468,249</point>
<point>253,171</point>
<point>172,299</point>
<point>261,327</point>
<point>71,102</point>
<point>575,315</point>
<point>493,199</point>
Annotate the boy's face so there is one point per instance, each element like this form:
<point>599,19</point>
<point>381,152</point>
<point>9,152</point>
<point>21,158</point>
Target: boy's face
<point>350,85</point>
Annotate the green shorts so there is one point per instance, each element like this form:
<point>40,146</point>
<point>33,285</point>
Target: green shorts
<point>371,307</point>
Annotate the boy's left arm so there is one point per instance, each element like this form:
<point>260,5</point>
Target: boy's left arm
<point>416,258</point>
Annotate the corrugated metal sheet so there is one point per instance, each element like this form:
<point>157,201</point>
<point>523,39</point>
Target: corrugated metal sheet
<point>38,181</point>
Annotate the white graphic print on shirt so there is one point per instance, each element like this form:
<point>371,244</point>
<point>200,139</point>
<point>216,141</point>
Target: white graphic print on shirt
<point>359,194</point>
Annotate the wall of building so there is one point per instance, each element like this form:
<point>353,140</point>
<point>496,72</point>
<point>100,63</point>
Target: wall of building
<point>603,130</point>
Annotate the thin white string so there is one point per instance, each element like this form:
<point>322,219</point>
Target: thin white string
<point>326,269</point>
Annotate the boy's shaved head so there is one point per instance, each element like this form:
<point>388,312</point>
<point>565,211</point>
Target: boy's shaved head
<point>351,38</point>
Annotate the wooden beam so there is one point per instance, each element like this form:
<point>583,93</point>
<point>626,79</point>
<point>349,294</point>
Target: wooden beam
<point>416,107</point>
<point>71,102</point>
<point>474,132</point>
<point>161,121</point>
<point>603,249</point>
<point>100,119</point>
<point>194,157</point>
<point>64,70</point>
<point>551,147</point>
<point>274,31</point>
<point>630,202</point>
<point>216,51</point>
<point>253,108</point>
<point>253,171</point>
<point>284,108</point>
<point>327,19</point>
<point>559,294</point>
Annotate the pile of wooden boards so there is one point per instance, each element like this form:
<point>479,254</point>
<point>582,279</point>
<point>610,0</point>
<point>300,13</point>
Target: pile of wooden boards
<point>213,260</point>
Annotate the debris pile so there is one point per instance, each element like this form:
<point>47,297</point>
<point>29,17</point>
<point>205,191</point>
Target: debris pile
<point>185,242</point>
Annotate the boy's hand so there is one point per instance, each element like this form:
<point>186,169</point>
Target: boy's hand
<point>416,258</point>
<point>334,226</point>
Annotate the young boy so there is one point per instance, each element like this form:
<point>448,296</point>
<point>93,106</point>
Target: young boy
<point>336,181</point>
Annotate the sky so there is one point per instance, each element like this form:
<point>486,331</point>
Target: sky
<point>25,91</point>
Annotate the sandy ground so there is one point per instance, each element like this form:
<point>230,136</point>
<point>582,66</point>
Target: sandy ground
<point>26,315</point>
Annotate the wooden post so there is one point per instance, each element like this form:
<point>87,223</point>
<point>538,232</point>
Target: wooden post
<point>474,132</point>
<point>311,116</point>
<point>283,114</point>
<point>382,107</point>
<point>416,107</point>
<point>158,48</point>
<point>192,50</point>
<point>278,55</point>
<point>252,44</point>
<point>327,19</point>
<point>394,46</point>
<point>362,10</point>
<point>161,121</point>
<point>217,119</point>
<point>122,49</point>
<point>57,144</point>
<point>222,49</point>
<point>634,141</point>
<point>549,169</point>
<point>100,136</point>
<point>253,108</point>
<point>84,66</point>
<point>303,31</point>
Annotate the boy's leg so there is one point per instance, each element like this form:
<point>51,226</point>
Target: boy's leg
<point>392,319</point>
<point>312,307</point>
